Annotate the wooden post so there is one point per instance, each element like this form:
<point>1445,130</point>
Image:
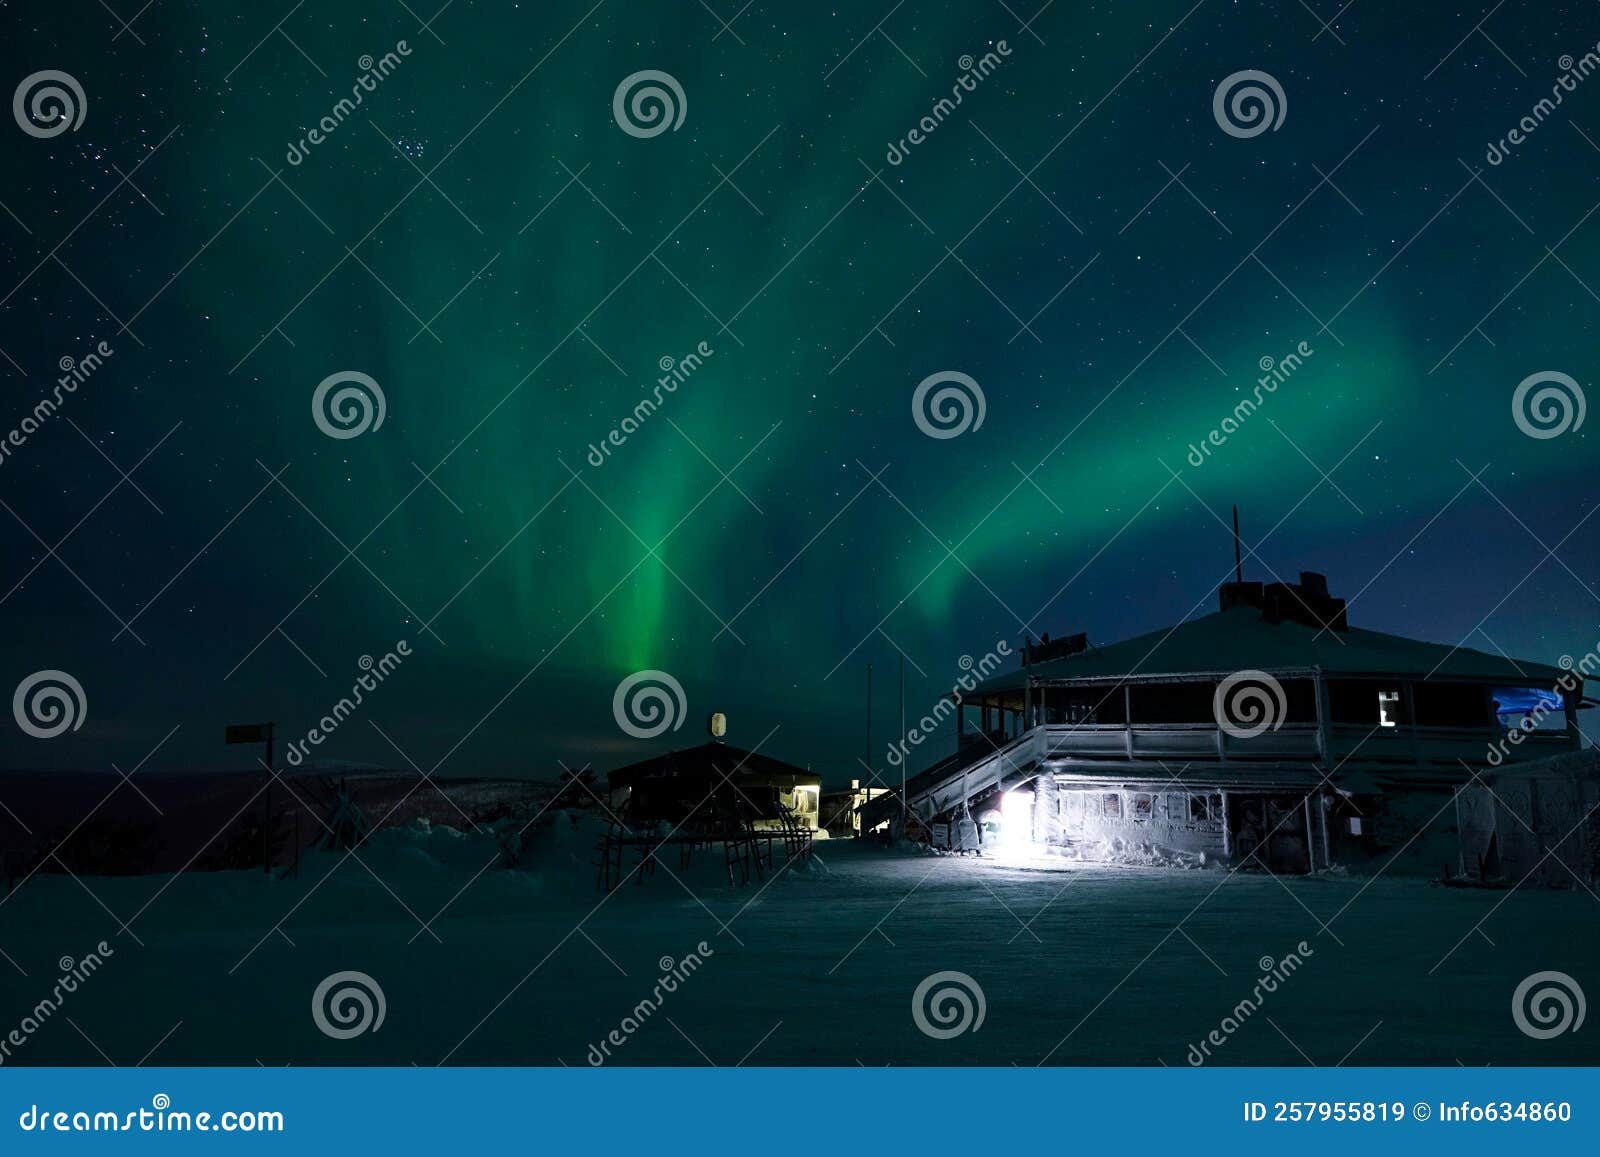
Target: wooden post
<point>1320,686</point>
<point>1227,827</point>
<point>1311,847</point>
<point>1322,822</point>
<point>266,811</point>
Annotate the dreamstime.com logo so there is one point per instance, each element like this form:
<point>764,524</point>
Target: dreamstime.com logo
<point>973,673</point>
<point>972,72</point>
<point>648,103</point>
<point>674,974</point>
<point>74,974</point>
<point>374,672</point>
<point>56,104</point>
<point>1548,1004</point>
<point>360,406</point>
<point>48,703</point>
<point>1274,974</point>
<point>649,703</point>
<point>373,73</point>
<point>1274,373</point>
<point>348,1004</point>
<point>1248,703</point>
<point>674,372</point>
<point>948,1004</point>
<point>1552,411</point>
<point>1248,103</point>
<point>1572,73</point>
<point>74,373</point>
<point>951,411</point>
<point>160,1117</point>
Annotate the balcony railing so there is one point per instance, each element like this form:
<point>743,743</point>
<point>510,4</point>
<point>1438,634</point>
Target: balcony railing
<point>1297,741</point>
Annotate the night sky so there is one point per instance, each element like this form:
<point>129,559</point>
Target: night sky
<point>481,237</point>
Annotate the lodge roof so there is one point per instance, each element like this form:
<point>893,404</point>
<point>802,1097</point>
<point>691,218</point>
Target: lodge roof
<point>711,761</point>
<point>1241,638</point>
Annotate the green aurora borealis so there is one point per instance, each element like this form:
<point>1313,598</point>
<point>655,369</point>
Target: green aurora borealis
<point>601,253</point>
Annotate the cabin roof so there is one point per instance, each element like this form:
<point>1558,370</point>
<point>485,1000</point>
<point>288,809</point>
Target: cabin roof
<point>712,761</point>
<point>1241,639</point>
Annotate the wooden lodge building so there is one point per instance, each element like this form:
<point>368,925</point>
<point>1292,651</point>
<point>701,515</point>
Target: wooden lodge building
<point>717,783</point>
<point>1268,729</point>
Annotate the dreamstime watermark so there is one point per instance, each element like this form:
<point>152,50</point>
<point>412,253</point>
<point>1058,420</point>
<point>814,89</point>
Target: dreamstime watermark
<point>649,703</point>
<point>1249,703</point>
<point>972,71</point>
<point>948,1004</point>
<point>1548,1004</point>
<point>373,73</point>
<point>948,404</point>
<point>159,1118</point>
<point>1274,372</point>
<point>74,372</point>
<point>352,411</point>
<point>648,103</point>
<point>1551,411</point>
<point>673,974</point>
<point>347,1004</point>
<point>973,674</point>
<point>674,372</point>
<point>376,672</point>
<point>73,974</point>
<point>48,703</point>
<point>1248,103</point>
<point>57,104</point>
<point>1572,71</point>
<point>1273,974</point>
<point>1570,682</point>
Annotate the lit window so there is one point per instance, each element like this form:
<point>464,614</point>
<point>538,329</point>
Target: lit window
<point>1112,805</point>
<point>1143,805</point>
<point>1388,708</point>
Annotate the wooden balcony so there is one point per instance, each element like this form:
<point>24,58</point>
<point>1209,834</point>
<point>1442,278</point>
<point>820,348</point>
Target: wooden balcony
<point>1299,741</point>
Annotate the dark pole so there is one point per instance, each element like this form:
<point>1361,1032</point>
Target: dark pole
<point>869,724</point>
<point>266,811</point>
<point>902,739</point>
<point>1238,564</point>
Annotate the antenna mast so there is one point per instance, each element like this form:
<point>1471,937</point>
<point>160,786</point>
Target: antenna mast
<point>1238,564</point>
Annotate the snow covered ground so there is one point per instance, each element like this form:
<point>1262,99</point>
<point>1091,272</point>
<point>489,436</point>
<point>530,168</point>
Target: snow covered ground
<point>1077,964</point>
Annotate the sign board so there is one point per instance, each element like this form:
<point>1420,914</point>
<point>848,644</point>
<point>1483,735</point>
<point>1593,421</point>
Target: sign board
<point>247,733</point>
<point>941,835</point>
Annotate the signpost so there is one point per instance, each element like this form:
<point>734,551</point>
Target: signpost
<point>258,733</point>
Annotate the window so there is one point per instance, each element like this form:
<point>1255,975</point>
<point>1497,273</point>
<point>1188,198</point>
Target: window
<point>1451,705</point>
<point>1093,705</point>
<point>1173,702</point>
<point>1197,809</point>
<point>1388,708</point>
<point>1111,805</point>
<point>1355,700</point>
<point>1530,708</point>
<point>1143,807</point>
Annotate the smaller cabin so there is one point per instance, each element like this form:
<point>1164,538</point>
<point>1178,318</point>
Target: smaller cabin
<point>717,784</point>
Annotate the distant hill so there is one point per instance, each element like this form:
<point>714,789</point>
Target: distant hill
<point>100,823</point>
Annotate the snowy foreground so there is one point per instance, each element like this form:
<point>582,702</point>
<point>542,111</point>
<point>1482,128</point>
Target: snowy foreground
<point>1077,964</point>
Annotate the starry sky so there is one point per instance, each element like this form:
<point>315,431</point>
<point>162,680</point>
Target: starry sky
<point>1081,237</point>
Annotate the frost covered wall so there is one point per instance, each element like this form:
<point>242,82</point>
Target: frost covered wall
<point>1535,823</point>
<point>1109,821</point>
